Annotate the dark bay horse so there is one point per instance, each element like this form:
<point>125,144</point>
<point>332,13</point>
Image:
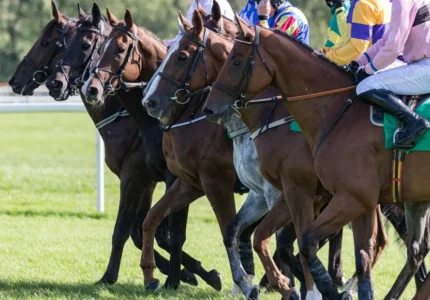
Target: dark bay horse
<point>137,165</point>
<point>37,65</point>
<point>353,166</point>
<point>133,54</point>
<point>201,53</point>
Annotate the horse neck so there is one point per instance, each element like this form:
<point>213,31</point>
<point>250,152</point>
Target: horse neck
<point>157,50</point>
<point>99,113</point>
<point>131,100</point>
<point>300,72</point>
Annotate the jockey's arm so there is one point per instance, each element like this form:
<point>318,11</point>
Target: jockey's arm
<point>286,23</point>
<point>363,20</point>
<point>337,30</point>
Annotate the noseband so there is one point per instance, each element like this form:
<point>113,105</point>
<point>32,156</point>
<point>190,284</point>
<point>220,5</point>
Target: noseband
<point>109,88</point>
<point>186,85</point>
<point>74,87</point>
<point>240,94</point>
<point>61,42</point>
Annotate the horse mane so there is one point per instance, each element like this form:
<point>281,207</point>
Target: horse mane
<point>309,48</point>
<point>88,21</point>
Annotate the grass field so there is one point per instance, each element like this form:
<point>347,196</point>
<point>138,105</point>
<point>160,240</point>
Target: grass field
<point>53,244</point>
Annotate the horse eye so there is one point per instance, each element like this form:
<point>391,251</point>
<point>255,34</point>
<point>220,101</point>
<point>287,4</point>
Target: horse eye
<point>45,43</point>
<point>121,50</point>
<point>182,56</point>
<point>86,46</point>
<point>236,63</point>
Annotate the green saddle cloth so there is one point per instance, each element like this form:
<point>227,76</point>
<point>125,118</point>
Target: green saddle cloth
<point>390,126</point>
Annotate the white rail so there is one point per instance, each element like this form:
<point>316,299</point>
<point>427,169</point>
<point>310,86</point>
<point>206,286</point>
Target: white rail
<point>66,107</point>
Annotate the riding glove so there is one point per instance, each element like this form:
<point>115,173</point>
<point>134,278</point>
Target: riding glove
<point>334,3</point>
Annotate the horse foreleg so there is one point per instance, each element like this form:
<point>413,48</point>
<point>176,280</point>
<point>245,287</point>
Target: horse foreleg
<point>278,217</point>
<point>335,259</point>
<point>341,210</point>
<point>424,292</point>
<point>177,197</point>
<point>396,216</point>
<point>251,211</point>
<point>417,223</point>
<point>131,192</point>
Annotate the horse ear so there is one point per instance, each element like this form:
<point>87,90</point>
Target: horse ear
<point>128,19</point>
<point>201,10</point>
<point>81,13</point>
<point>97,15</point>
<point>216,12</point>
<point>184,24</point>
<point>241,25</point>
<point>198,25</point>
<point>56,13</point>
<point>113,21</point>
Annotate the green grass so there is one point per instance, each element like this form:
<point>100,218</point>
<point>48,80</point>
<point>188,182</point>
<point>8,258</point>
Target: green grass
<point>53,243</point>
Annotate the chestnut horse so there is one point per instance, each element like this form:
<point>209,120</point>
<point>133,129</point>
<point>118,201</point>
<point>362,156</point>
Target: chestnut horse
<point>201,53</point>
<point>133,54</point>
<point>354,167</point>
<point>126,155</point>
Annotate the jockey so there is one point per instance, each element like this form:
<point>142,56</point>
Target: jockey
<point>226,11</point>
<point>279,14</point>
<point>366,23</point>
<point>336,32</point>
<point>409,34</point>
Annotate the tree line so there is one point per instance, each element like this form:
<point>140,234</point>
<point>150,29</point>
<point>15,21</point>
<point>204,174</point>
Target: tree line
<point>21,21</point>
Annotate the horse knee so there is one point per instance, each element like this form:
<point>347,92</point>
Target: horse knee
<point>415,255</point>
<point>363,263</point>
<point>230,235</point>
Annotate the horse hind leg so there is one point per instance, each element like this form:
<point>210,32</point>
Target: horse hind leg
<point>424,292</point>
<point>417,223</point>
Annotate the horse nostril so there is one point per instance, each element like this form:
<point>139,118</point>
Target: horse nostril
<point>12,81</point>
<point>93,92</point>
<point>208,112</point>
<point>57,84</point>
<point>151,104</point>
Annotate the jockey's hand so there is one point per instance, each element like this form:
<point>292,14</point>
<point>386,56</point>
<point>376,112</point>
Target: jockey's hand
<point>334,3</point>
<point>352,67</point>
<point>263,8</point>
<point>360,74</point>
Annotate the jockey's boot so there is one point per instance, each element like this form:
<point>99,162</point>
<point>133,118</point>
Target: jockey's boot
<point>415,126</point>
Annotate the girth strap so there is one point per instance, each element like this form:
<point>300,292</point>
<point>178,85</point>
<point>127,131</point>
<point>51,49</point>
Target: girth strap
<point>265,128</point>
<point>112,118</point>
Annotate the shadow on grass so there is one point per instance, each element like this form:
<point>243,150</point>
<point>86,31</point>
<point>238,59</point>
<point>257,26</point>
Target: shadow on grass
<point>51,213</point>
<point>43,289</point>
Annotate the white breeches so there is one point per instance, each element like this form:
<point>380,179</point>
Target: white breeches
<point>412,79</point>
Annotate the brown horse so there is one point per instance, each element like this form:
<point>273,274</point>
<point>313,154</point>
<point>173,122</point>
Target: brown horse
<point>184,60</point>
<point>352,166</point>
<point>133,54</point>
<point>35,68</point>
<point>127,157</point>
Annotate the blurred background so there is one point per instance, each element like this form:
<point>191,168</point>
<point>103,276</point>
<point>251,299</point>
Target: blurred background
<point>21,21</point>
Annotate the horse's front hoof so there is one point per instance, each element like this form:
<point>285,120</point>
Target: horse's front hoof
<point>345,296</point>
<point>171,284</point>
<point>254,294</point>
<point>107,280</point>
<point>295,295</point>
<point>189,278</point>
<point>153,286</point>
<point>215,280</point>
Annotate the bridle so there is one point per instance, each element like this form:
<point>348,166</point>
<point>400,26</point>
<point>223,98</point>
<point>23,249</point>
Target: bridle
<point>109,88</point>
<point>240,94</point>
<point>184,87</point>
<point>82,70</point>
<point>59,44</point>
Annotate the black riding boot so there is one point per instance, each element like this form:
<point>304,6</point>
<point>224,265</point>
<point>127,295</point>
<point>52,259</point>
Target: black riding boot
<point>415,126</point>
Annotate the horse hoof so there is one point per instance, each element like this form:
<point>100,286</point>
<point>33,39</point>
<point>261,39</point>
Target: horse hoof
<point>295,295</point>
<point>254,294</point>
<point>215,280</point>
<point>171,284</point>
<point>153,286</point>
<point>345,296</point>
<point>106,281</point>
<point>189,278</point>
